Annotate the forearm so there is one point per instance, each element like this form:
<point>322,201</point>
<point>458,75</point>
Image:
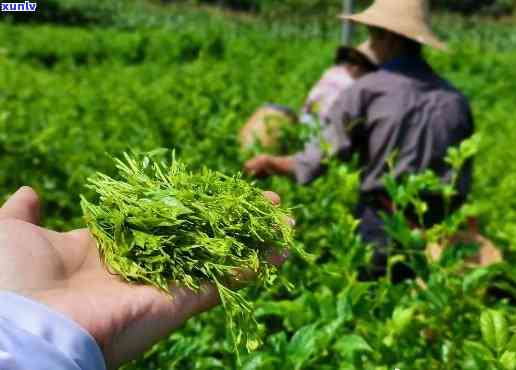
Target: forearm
<point>282,165</point>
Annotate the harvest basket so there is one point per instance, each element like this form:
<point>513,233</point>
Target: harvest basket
<point>264,126</point>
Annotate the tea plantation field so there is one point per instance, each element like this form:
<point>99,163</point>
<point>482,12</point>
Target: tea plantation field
<point>187,79</point>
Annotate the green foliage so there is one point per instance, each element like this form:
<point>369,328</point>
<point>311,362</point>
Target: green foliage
<point>69,95</point>
<point>497,351</point>
<point>72,12</point>
<point>138,13</point>
<point>160,224</point>
<point>495,7</point>
<point>329,8</point>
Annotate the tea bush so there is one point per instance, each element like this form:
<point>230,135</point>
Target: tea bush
<point>72,96</point>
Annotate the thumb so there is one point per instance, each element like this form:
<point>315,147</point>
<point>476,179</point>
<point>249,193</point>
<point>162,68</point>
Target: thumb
<point>23,205</point>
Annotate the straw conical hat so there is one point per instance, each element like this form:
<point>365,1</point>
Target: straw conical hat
<point>409,18</point>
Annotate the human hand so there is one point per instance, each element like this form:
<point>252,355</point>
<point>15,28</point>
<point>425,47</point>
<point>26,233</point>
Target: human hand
<point>65,272</point>
<point>259,166</point>
<point>266,165</point>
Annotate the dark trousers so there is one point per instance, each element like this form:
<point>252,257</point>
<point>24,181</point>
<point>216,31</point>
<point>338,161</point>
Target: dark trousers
<point>372,231</point>
<point>373,234</point>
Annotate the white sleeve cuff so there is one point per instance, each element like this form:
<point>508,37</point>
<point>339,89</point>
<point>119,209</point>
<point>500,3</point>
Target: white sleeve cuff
<point>32,336</point>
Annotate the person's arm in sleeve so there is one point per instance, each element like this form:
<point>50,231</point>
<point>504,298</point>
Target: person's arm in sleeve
<point>336,129</point>
<point>309,164</point>
<point>34,337</point>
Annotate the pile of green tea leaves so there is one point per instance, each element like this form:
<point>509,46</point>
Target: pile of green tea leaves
<point>159,223</point>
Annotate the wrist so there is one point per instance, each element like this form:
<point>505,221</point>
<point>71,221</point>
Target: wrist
<point>270,163</point>
<point>281,165</point>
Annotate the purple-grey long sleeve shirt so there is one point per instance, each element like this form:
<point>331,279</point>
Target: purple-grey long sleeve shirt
<point>403,107</point>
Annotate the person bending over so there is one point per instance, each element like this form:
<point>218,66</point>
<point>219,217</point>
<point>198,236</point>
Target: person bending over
<point>404,107</point>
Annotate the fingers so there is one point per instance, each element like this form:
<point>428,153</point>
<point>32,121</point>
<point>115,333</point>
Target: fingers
<point>257,166</point>
<point>278,258</point>
<point>276,200</point>
<point>242,277</point>
<point>165,313</point>
<point>249,167</point>
<point>23,205</point>
<point>272,197</point>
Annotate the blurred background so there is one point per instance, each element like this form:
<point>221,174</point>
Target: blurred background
<point>81,80</point>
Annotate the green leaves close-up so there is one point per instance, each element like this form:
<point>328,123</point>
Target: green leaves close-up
<point>133,77</point>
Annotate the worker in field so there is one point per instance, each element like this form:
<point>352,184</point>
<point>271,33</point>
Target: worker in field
<point>350,64</point>
<point>266,123</point>
<point>404,107</point>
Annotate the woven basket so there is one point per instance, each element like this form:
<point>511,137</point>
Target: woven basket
<point>264,126</point>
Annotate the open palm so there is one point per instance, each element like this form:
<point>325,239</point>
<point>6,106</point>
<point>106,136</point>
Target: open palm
<point>64,271</point>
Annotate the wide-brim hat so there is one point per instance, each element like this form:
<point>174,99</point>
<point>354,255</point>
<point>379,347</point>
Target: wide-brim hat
<point>409,18</point>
